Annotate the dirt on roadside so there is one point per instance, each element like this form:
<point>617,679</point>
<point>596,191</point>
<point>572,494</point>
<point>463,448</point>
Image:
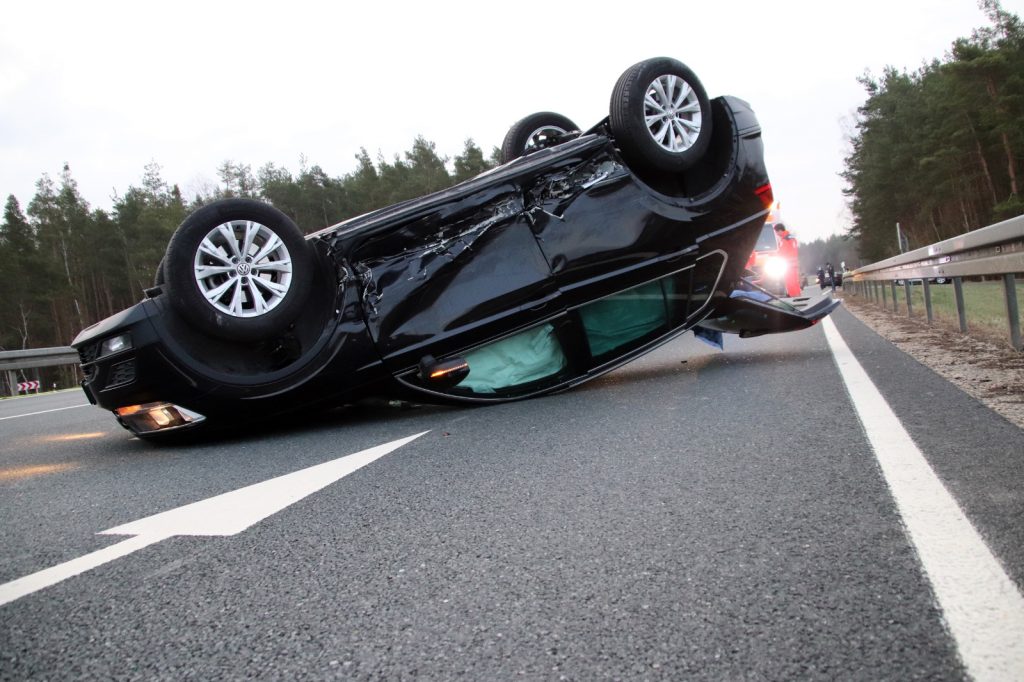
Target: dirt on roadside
<point>987,369</point>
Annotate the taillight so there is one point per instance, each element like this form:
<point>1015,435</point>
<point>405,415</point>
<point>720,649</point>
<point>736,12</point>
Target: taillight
<point>764,193</point>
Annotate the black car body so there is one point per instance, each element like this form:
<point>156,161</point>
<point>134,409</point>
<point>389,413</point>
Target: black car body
<point>545,272</point>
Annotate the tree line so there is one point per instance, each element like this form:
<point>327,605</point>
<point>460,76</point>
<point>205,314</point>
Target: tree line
<point>940,150</point>
<point>66,265</point>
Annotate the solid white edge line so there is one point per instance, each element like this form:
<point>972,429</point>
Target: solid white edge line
<point>32,414</point>
<point>982,607</point>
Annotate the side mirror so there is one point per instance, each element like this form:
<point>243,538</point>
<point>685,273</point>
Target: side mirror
<point>444,374</point>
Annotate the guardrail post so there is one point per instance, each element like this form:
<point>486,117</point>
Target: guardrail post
<point>12,382</point>
<point>995,250</point>
<point>1012,312</point>
<point>961,311</point>
<point>906,290</point>
<point>928,300</point>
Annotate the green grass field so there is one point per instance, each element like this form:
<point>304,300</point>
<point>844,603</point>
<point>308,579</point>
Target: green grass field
<point>984,301</point>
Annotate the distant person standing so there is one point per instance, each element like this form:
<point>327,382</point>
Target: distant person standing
<point>831,275</point>
<point>789,250</point>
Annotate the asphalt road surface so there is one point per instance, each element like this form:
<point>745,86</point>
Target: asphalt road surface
<point>694,515</point>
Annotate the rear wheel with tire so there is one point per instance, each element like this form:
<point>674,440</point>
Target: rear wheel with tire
<point>238,269</point>
<point>660,116</point>
<point>536,131</point>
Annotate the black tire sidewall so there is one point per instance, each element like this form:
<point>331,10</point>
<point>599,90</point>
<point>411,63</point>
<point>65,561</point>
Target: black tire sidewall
<point>188,300</point>
<point>158,276</point>
<point>626,117</point>
<point>514,144</point>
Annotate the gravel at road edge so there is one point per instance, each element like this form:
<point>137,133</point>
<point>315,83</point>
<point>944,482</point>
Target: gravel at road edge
<point>991,372</point>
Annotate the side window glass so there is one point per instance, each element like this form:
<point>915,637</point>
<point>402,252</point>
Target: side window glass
<point>627,318</point>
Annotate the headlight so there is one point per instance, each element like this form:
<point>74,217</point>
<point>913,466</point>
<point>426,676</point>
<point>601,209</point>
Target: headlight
<point>157,417</point>
<point>116,344</point>
<point>775,267</point>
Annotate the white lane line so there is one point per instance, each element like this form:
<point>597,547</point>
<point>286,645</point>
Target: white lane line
<point>32,414</point>
<point>223,515</point>
<point>982,606</point>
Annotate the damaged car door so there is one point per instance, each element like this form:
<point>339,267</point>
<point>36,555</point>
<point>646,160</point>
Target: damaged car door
<point>462,274</point>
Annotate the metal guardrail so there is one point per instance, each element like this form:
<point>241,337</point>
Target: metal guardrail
<point>38,357</point>
<point>12,360</point>
<point>994,250</point>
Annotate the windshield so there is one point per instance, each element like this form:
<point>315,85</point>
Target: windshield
<point>766,240</point>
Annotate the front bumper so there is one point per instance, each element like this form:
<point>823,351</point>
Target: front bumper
<point>137,382</point>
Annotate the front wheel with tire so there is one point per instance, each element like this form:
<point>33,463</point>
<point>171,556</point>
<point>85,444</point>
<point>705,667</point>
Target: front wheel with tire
<point>660,115</point>
<point>238,269</point>
<point>536,131</point>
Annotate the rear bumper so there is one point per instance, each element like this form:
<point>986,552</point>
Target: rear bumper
<point>754,313</point>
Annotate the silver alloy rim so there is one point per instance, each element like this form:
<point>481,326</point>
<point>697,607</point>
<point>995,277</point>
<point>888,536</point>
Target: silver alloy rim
<point>539,137</point>
<point>243,269</point>
<point>672,113</point>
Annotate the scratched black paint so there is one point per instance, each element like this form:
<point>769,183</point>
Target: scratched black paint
<point>527,244</point>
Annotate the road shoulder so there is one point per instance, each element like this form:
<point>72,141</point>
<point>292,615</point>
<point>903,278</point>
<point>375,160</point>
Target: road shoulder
<point>991,373</point>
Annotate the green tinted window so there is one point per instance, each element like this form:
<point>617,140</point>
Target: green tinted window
<point>627,317</point>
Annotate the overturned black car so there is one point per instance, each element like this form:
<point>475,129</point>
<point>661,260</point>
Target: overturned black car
<point>582,251</point>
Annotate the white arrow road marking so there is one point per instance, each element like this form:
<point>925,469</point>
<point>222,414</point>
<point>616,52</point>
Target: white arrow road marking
<point>233,512</point>
<point>227,514</point>
<point>982,606</point>
<point>51,576</point>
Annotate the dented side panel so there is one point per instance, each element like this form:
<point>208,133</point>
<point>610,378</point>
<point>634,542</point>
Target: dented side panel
<point>542,236</point>
<point>455,287</point>
<point>604,238</point>
<point>603,228</point>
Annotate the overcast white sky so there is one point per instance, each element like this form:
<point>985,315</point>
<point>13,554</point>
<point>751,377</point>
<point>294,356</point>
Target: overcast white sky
<point>111,86</point>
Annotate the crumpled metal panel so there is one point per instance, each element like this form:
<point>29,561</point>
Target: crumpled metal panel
<point>482,271</point>
<point>563,188</point>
